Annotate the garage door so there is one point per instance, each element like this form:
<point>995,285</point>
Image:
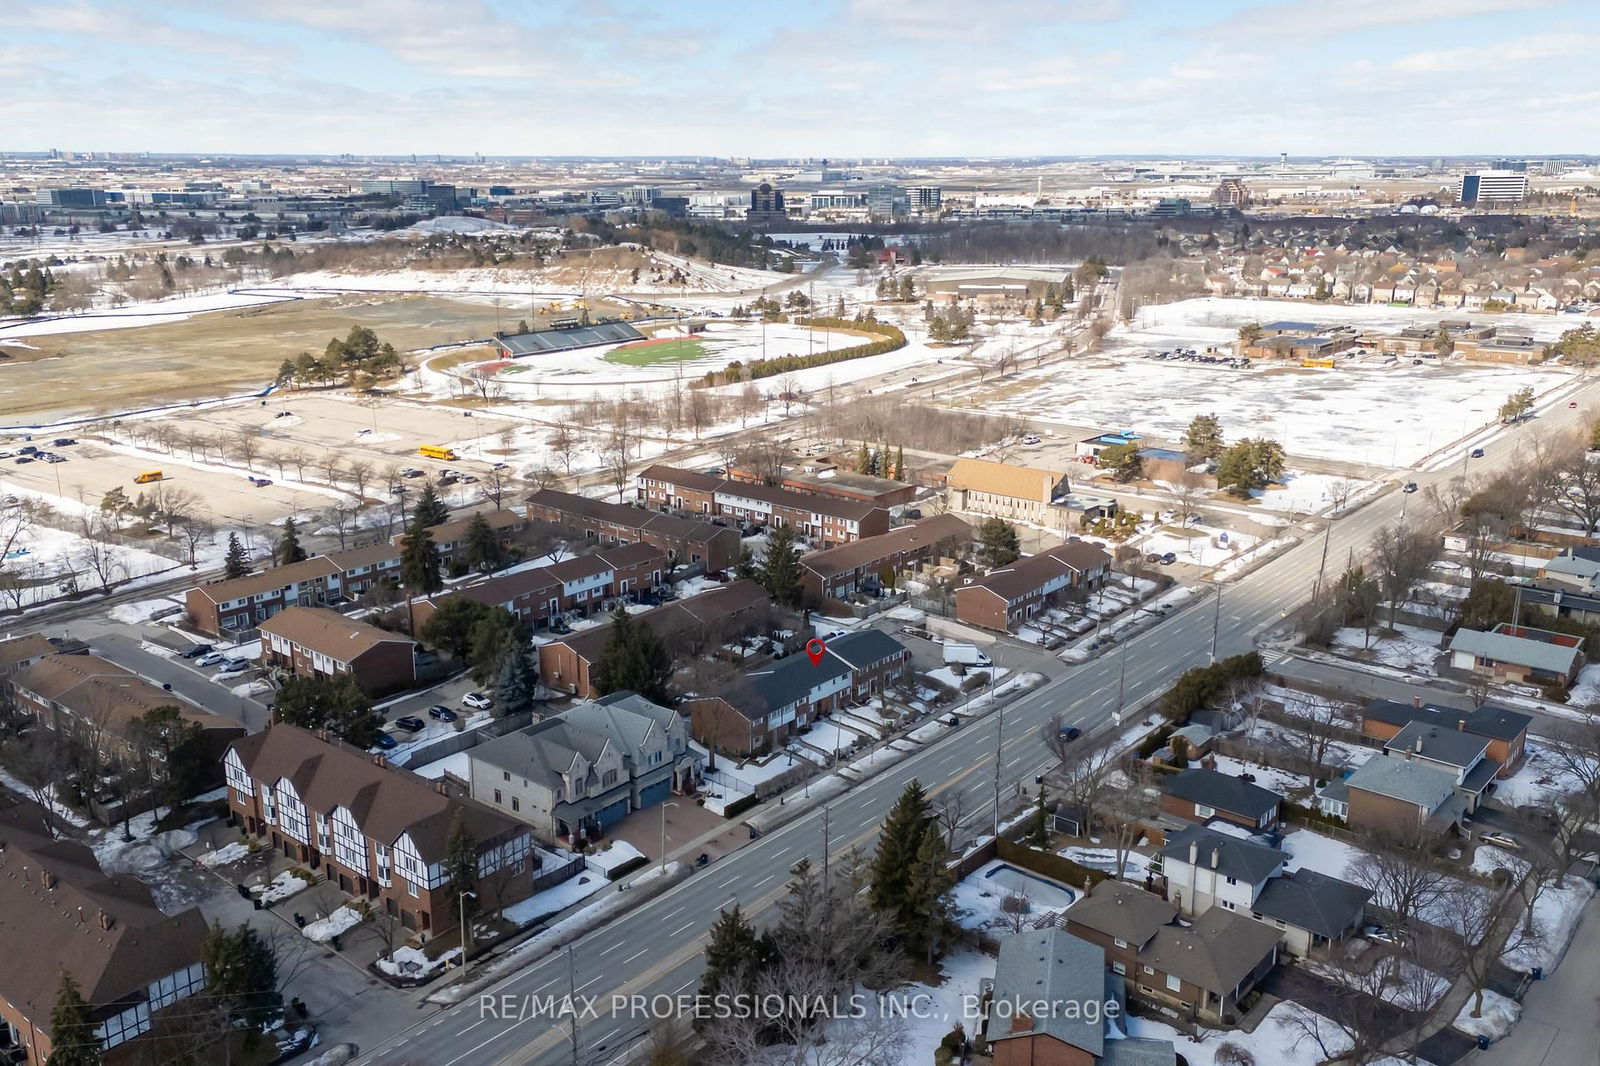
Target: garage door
<point>611,814</point>
<point>656,793</point>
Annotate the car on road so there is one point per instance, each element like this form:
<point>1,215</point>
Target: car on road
<point>1152,557</point>
<point>410,723</point>
<point>477,701</point>
<point>1573,405</point>
<point>386,741</point>
<point>1411,486</point>
<point>195,651</point>
<point>259,482</point>
<point>210,658</point>
<point>410,471</point>
<point>1500,840</point>
<point>6,455</point>
<point>165,612</point>
<point>500,466</point>
<point>1477,453</point>
<point>1030,439</point>
<point>1070,733</point>
<point>1169,558</point>
<point>1382,934</point>
<point>442,713</point>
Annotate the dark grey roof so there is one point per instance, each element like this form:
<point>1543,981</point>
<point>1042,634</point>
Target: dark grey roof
<point>1234,858</point>
<point>1449,746</point>
<point>1225,792</point>
<point>783,683</point>
<point>864,647</point>
<point>1501,723</point>
<point>1216,952</point>
<point>1416,783</point>
<point>1310,900</point>
<point>1052,965</point>
<point>1122,911</point>
<point>1478,778</point>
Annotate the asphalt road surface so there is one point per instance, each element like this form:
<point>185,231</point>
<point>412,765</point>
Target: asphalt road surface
<point>655,949</point>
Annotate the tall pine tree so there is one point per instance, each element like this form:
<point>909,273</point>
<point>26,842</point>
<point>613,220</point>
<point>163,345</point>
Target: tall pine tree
<point>484,550</point>
<point>235,563</point>
<point>72,1028</point>
<point>514,681</point>
<point>900,462</point>
<point>634,659</point>
<point>910,880</point>
<point>241,974</point>
<point>780,567</point>
<point>736,955</point>
<point>430,510</point>
<point>419,561</point>
<point>289,550</point>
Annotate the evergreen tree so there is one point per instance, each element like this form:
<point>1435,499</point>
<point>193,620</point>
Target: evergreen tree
<point>897,847</point>
<point>746,568</point>
<point>1123,460</point>
<point>461,865</point>
<point>430,510</point>
<point>515,681</point>
<point>998,543</point>
<point>484,550</point>
<point>864,459</point>
<point>780,567</point>
<point>496,635</point>
<point>736,955</point>
<point>241,974</point>
<point>72,1028</point>
<point>924,924</point>
<point>235,563</point>
<point>1249,465</point>
<point>285,372</point>
<point>1039,824</point>
<point>449,628</point>
<point>289,550</point>
<point>337,704</point>
<point>419,562</point>
<point>900,462</point>
<point>1203,440</point>
<point>634,659</point>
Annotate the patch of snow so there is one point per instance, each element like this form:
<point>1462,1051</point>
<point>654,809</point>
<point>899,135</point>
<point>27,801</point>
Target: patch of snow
<point>324,929</point>
<point>236,851</point>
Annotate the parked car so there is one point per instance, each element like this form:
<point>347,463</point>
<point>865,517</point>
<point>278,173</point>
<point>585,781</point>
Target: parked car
<point>1380,933</point>
<point>386,741</point>
<point>410,723</point>
<point>442,713</point>
<point>1152,557</point>
<point>477,701</point>
<point>165,612</point>
<point>234,666</point>
<point>1411,486</point>
<point>410,471</point>
<point>1500,840</point>
<point>27,449</point>
<point>62,442</point>
<point>210,658</point>
<point>1030,439</point>
<point>467,479</point>
<point>1572,405</point>
<point>19,460</point>
<point>1477,453</point>
<point>54,458</point>
<point>1169,558</point>
<point>953,721</point>
<point>6,455</point>
<point>194,651</point>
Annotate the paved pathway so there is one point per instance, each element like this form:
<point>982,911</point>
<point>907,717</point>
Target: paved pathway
<point>1561,1015</point>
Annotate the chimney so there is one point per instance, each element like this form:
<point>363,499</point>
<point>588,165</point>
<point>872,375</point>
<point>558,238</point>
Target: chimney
<point>380,760</point>
<point>104,919</point>
<point>1417,747</point>
<point>1194,853</point>
<point>1416,701</point>
<point>440,786</point>
<point>1461,724</point>
<point>1215,852</point>
<point>47,879</point>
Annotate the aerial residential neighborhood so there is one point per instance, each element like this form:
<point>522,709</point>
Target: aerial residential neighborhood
<point>867,534</point>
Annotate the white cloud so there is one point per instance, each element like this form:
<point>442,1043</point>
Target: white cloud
<point>1500,56</point>
<point>955,21</point>
<point>1317,18</point>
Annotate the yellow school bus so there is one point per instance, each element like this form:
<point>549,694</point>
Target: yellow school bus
<point>438,451</point>
<point>147,477</point>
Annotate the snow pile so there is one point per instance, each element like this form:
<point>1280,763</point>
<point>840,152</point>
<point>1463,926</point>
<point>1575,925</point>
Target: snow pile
<point>228,853</point>
<point>1556,911</point>
<point>1499,1014</point>
<point>556,898</point>
<point>414,962</point>
<point>281,887</point>
<point>325,929</point>
<point>614,855</point>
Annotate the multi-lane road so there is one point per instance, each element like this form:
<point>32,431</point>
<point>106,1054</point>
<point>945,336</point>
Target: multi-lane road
<point>654,949</point>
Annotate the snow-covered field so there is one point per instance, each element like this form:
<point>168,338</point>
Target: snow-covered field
<point>1410,648</point>
<point>1359,412</point>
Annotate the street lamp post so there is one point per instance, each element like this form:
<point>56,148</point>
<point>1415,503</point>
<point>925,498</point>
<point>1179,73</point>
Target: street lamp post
<point>1216,621</point>
<point>466,934</point>
<point>664,807</point>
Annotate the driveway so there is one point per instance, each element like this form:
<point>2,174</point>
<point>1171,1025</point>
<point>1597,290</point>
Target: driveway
<point>1560,1015</point>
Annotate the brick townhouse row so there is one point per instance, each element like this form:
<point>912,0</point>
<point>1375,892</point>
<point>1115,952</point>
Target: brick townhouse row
<point>450,538</point>
<point>379,832</point>
<point>834,573</point>
<point>687,542</point>
<point>765,707</point>
<point>584,584</point>
<point>1010,595</point>
<point>823,520</point>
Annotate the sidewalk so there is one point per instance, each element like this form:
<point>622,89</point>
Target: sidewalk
<point>1560,1019</point>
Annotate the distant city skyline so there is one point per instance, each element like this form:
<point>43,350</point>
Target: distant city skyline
<point>847,78</point>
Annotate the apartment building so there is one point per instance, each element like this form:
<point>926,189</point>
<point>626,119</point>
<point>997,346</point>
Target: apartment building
<point>824,520</point>
<point>687,542</point>
<point>834,573</point>
<point>1010,595</point>
<point>1001,490</point>
<point>578,772</point>
<point>317,642</point>
<point>450,538</point>
<point>582,584</point>
<point>839,484</point>
<point>380,832</point>
<point>19,652</point>
<point>61,914</point>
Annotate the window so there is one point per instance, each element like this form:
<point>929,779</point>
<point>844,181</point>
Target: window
<point>1233,880</point>
<point>1119,969</point>
<point>1148,969</point>
<point>497,796</point>
<point>1173,984</point>
<point>1202,811</point>
<point>1228,904</point>
<point>1119,943</point>
<point>516,804</point>
<point>507,774</point>
<point>411,889</point>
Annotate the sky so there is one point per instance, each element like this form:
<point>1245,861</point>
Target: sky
<point>816,78</point>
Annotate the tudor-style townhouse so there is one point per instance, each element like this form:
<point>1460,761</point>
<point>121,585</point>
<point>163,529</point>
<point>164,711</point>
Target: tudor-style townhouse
<point>583,584</point>
<point>824,520</point>
<point>381,833</point>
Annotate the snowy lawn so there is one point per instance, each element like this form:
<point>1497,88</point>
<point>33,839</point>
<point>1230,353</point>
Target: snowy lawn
<point>324,929</point>
<point>556,898</point>
<point>1134,865</point>
<point>1407,648</point>
<point>414,962</point>
<point>1557,911</point>
<point>1541,778</point>
<point>613,855</point>
<point>280,888</point>
<point>237,851</point>
<point>1268,777</point>
<point>1277,1040</point>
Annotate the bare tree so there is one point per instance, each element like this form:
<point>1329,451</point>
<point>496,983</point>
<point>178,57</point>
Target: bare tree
<point>1402,556</point>
<point>1318,721</point>
<point>299,459</point>
<point>618,464</point>
<point>246,446</point>
<point>1187,493</point>
<point>564,441</point>
<point>332,468</point>
<point>361,472</point>
<point>342,517</point>
<point>1485,926</point>
<point>195,532</point>
<point>1397,867</point>
<point>1086,765</point>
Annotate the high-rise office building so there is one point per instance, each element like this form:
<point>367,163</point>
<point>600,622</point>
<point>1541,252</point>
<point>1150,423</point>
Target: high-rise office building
<point>1493,187</point>
<point>925,198</point>
<point>766,205</point>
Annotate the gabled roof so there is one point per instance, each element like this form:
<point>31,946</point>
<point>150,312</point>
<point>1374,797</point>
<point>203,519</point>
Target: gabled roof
<point>269,580</point>
<point>386,801</point>
<point>1416,783</point>
<point>92,688</point>
<point>626,517</point>
<point>1018,579</point>
<point>1428,741</point>
<point>864,647</point>
<point>784,683</point>
<point>1050,965</point>
<point>329,632</point>
<point>621,720</point>
<point>672,475</point>
<point>1224,792</point>
<point>707,608</point>
<point>1489,720</point>
<point>1521,651</point>
<point>1123,912</point>
<point>1313,901</point>
<point>1229,856</point>
<point>21,649</point>
<point>1005,479</point>
<point>869,550</point>
<point>1216,952</point>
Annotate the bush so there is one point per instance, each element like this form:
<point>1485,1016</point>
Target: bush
<point>893,340</point>
<point>740,805</point>
<point>1059,867</point>
<point>1197,687</point>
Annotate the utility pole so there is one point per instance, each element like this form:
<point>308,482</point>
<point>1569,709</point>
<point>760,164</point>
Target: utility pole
<point>825,812</point>
<point>1327,535</point>
<point>572,1002</point>
<point>1216,622</point>
<point>999,733</point>
<point>1122,682</point>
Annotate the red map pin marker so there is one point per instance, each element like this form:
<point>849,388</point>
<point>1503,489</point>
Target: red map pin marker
<point>816,649</point>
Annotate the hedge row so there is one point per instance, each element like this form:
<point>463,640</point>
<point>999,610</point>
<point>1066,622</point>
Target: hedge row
<point>1197,687</point>
<point>740,805</point>
<point>1058,867</point>
<point>893,340</point>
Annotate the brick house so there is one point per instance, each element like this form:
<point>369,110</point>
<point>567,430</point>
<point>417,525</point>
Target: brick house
<point>1053,1004</point>
<point>1505,730</point>
<point>876,661</point>
<point>1010,595</point>
<point>60,913</point>
<point>79,694</point>
<point>365,568</point>
<point>737,608</point>
<point>1203,868</point>
<point>1519,654</point>
<point>450,538</point>
<point>584,583</point>
<point>580,771</point>
<point>317,642</point>
<point>834,573</point>
<point>687,542</point>
<point>1428,775</point>
<point>379,832</point>
<point>233,607</point>
<point>23,651</point>
<point>1001,490</point>
<point>1201,795</point>
<point>847,485</point>
<point>820,519</point>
